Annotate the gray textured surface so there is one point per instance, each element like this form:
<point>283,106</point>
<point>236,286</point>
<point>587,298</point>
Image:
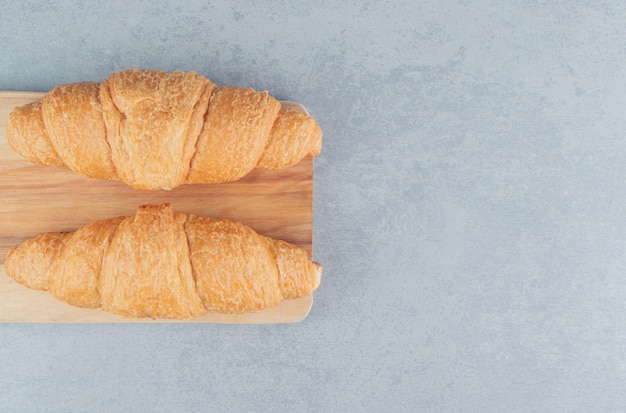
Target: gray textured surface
<point>470,208</point>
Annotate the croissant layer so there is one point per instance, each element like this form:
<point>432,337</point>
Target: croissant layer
<point>162,264</point>
<point>157,130</point>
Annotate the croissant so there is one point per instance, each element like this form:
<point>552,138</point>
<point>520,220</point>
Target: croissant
<point>152,129</point>
<point>161,264</point>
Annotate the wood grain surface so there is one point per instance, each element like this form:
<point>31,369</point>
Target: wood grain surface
<point>37,199</point>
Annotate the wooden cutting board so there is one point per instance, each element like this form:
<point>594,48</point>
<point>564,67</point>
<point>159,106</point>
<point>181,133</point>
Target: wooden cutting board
<point>35,199</point>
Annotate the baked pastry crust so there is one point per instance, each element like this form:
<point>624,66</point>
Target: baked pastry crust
<point>161,264</point>
<point>236,131</point>
<point>153,129</point>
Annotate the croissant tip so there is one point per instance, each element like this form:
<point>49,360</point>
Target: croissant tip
<point>318,274</point>
<point>7,258</point>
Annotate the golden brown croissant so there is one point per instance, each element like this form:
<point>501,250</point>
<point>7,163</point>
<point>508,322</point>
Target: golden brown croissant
<point>154,129</point>
<point>162,264</point>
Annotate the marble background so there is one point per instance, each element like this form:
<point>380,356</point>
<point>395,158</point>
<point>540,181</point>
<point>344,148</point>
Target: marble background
<point>470,207</point>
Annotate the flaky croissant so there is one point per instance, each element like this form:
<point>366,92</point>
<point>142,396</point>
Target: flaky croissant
<point>161,264</point>
<point>154,129</point>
